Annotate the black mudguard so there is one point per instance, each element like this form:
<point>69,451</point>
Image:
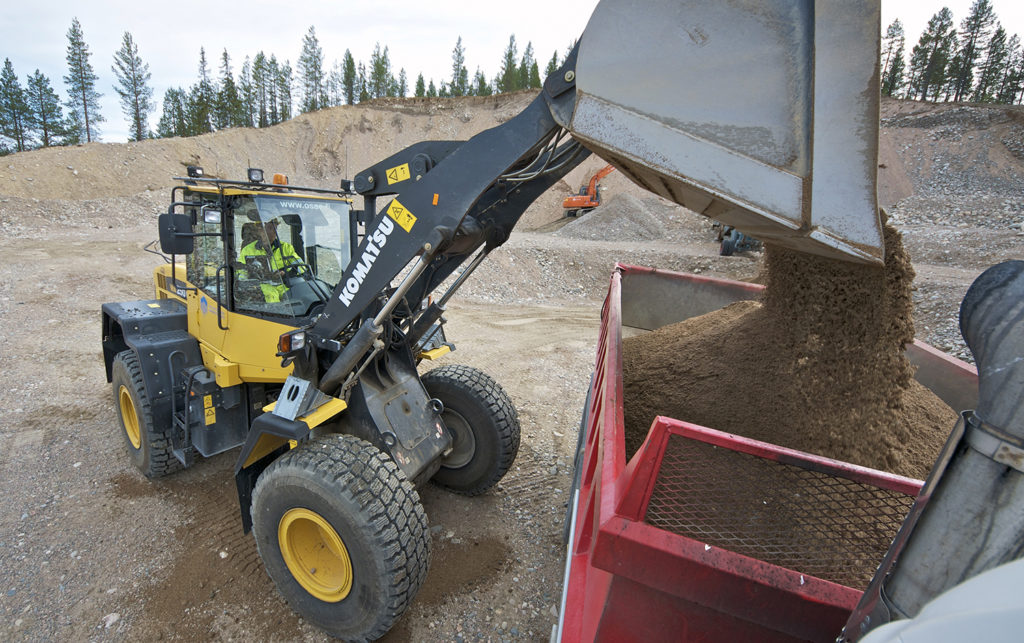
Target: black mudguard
<point>157,331</point>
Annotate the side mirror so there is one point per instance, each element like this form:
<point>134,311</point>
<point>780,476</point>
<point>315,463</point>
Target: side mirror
<point>176,234</point>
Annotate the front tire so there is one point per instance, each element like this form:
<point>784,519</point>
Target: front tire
<point>343,535</point>
<point>148,445</point>
<point>484,427</point>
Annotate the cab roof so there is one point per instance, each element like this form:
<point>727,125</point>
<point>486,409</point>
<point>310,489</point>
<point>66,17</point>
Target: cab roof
<point>290,193</point>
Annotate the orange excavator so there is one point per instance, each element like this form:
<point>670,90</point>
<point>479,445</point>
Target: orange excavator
<point>589,196</point>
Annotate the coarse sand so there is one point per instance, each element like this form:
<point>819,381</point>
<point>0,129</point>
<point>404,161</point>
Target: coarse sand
<point>817,365</point>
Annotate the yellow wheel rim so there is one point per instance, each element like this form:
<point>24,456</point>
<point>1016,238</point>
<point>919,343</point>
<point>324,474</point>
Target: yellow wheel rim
<point>315,554</point>
<point>129,417</point>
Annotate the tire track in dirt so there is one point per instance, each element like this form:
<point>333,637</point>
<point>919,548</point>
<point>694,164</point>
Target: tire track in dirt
<point>216,584</point>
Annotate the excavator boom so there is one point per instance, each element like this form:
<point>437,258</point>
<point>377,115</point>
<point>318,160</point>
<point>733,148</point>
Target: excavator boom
<point>600,174</point>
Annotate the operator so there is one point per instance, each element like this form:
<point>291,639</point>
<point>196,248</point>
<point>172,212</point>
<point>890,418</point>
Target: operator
<point>270,257</point>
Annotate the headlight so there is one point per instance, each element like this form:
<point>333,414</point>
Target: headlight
<point>291,342</point>
<point>255,175</point>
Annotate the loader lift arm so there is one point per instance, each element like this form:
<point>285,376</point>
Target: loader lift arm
<point>451,200</point>
<point>795,167</point>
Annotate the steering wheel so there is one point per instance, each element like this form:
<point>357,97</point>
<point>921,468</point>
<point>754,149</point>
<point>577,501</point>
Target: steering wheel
<point>298,269</point>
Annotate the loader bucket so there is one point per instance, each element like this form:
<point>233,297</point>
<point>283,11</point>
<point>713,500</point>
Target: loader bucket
<point>760,114</point>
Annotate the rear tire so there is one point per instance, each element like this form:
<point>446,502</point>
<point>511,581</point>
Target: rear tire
<point>484,427</point>
<point>149,446</point>
<point>343,535</point>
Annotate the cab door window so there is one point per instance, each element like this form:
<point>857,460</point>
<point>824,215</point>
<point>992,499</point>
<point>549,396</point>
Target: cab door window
<point>208,258</point>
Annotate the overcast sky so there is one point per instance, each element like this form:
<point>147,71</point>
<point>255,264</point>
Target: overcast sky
<point>420,36</point>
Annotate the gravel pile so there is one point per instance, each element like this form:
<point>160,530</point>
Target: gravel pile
<point>964,162</point>
<point>996,211</point>
<point>622,217</point>
<point>22,217</point>
<point>626,218</point>
<point>536,268</point>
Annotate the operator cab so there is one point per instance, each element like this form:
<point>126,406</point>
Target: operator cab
<point>266,251</point>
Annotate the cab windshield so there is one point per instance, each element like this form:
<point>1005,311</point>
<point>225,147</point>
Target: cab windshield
<point>291,252</point>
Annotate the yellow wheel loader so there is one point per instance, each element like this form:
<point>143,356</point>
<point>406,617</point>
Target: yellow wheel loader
<point>331,493</point>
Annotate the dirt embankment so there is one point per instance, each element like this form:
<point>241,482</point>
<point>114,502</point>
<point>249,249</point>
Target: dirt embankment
<point>318,148</point>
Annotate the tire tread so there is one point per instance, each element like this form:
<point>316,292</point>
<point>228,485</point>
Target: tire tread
<point>162,460</point>
<point>499,404</point>
<point>390,503</point>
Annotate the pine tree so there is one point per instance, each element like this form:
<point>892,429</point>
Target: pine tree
<point>260,82</point>
<point>431,89</point>
<point>247,94</point>
<point>228,110</point>
<point>44,106</point>
<point>15,115</point>
<point>284,82</point>
<point>335,86</point>
<point>74,129</point>
<point>273,118</point>
<point>954,61</point>
<point>930,57</point>
<point>349,78</point>
<point>892,59</point>
<point>460,75</point>
<point>133,87</point>
<point>84,100</point>
<point>1019,96</point>
<point>993,68</point>
<point>974,33</point>
<point>201,100</point>
<point>552,65</point>
<point>480,85</point>
<point>403,83</point>
<point>508,75</point>
<point>311,74</point>
<point>525,68</point>
<point>381,79</point>
<point>1013,78</point>
<point>362,84</point>
<point>421,88</point>
<point>173,120</point>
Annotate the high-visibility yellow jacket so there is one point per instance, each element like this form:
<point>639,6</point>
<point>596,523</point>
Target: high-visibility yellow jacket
<point>282,254</point>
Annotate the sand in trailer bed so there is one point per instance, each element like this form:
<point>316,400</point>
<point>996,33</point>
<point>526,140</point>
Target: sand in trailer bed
<point>817,365</point>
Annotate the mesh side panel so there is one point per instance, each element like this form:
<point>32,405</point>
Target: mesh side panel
<point>811,522</point>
